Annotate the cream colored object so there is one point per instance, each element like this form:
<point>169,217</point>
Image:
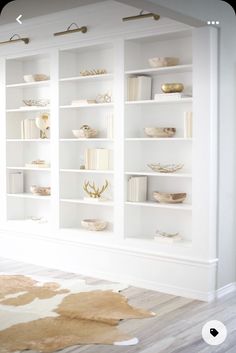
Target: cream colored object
<point>94,224</point>
<point>85,132</point>
<point>93,72</point>
<point>36,78</point>
<point>188,124</point>
<point>163,61</point>
<point>36,102</point>
<point>172,87</point>
<point>37,164</point>
<point>165,168</point>
<point>40,190</point>
<point>164,197</point>
<point>159,131</point>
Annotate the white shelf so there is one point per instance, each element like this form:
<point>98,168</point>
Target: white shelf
<point>84,171</point>
<point>30,169</point>
<point>162,70</point>
<point>29,84</point>
<point>87,78</point>
<point>152,242</point>
<point>29,196</point>
<point>180,206</point>
<point>28,109</point>
<point>171,175</point>
<point>152,101</point>
<point>28,140</point>
<point>92,105</point>
<point>167,139</point>
<point>86,140</point>
<point>87,202</point>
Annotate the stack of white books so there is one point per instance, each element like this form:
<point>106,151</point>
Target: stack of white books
<point>170,96</point>
<point>16,183</point>
<point>109,123</point>
<point>137,189</point>
<point>29,130</point>
<point>97,159</point>
<point>188,122</point>
<point>139,88</point>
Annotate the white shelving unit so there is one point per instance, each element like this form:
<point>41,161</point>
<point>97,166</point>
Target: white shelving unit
<point>132,226</point>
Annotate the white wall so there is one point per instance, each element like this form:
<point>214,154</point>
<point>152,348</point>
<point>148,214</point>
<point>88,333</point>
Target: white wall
<point>219,10</point>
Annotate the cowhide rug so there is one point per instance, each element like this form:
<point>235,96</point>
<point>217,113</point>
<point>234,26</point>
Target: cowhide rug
<point>47,316</point>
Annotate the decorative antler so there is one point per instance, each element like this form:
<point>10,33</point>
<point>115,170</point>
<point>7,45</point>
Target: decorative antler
<point>95,191</point>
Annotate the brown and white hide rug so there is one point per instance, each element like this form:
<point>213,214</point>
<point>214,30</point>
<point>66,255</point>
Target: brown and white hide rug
<point>46,316</point>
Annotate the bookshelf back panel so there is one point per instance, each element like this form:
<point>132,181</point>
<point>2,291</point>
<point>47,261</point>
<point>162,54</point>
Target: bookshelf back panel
<point>25,209</point>
<point>20,153</point>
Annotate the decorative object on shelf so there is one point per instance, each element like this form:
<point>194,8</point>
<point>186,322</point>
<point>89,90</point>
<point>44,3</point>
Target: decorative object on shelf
<point>93,191</point>
<point>168,238</point>
<point>38,220</point>
<point>82,102</point>
<point>188,124</point>
<point>38,164</point>
<point>43,124</point>
<point>16,183</point>
<point>29,129</point>
<point>40,190</point>
<point>139,88</point>
<point>137,189</point>
<point>109,125</point>
<point>163,61</point>
<point>97,159</point>
<point>36,102</point>
<point>82,29</point>
<point>160,132</point>
<point>93,72</point>
<point>164,197</point>
<point>36,78</point>
<point>103,98</point>
<point>94,224</point>
<point>141,16</point>
<point>172,87</point>
<point>165,168</point>
<point>18,39</point>
<point>162,97</point>
<point>85,132</point>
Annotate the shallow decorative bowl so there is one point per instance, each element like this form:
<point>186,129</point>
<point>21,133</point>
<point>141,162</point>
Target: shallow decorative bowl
<point>40,190</point>
<point>163,61</point>
<point>36,102</point>
<point>160,131</point>
<point>35,78</point>
<point>164,197</point>
<point>165,168</point>
<point>172,87</point>
<point>85,132</point>
<point>93,72</point>
<point>94,224</point>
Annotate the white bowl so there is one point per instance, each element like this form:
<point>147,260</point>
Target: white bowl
<point>35,78</point>
<point>163,61</point>
<point>94,224</point>
<point>85,133</point>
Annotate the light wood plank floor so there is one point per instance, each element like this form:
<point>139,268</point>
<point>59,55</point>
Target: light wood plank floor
<point>175,329</point>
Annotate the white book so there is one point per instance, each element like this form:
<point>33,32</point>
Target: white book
<point>109,125</point>
<point>144,88</point>
<point>188,117</point>
<point>137,189</point>
<point>170,96</point>
<point>16,183</point>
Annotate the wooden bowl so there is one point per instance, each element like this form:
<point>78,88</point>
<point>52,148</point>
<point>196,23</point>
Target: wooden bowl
<point>160,131</point>
<point>164,197</point>
<point>35,78</point>
<point>172,87</point>
<point>163,61</point>
<point>94,224</point>
<point>40,190</point>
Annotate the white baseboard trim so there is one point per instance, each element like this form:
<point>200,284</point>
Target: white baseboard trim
<point>229,288</point>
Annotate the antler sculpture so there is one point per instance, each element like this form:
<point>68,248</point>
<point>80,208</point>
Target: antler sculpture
<point>95,192</point>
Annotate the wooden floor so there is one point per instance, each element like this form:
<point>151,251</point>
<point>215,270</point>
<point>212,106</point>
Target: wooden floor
<point>176,328</point>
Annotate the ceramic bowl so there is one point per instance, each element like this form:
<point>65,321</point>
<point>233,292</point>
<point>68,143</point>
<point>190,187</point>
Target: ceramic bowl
<point>159,131</point>
<point>40,190</point>
<point>85,132</point>
<point>165,168</point>
<point>36,102</point>
<point>35,78</point>
<point>172,87</point>
<point>94,224</point>
<point>163,61</point>
<point>164,197</point>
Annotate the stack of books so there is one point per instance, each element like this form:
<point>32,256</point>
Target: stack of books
<point>188,122</point>
<point>29,130</point>
<point>137,189</point>
<point>139,88</point>
<point>170,96</point>
<point>16,183</point>
<point>97,159</point>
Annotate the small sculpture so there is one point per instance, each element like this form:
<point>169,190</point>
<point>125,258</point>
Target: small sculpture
<point>95,192</point>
